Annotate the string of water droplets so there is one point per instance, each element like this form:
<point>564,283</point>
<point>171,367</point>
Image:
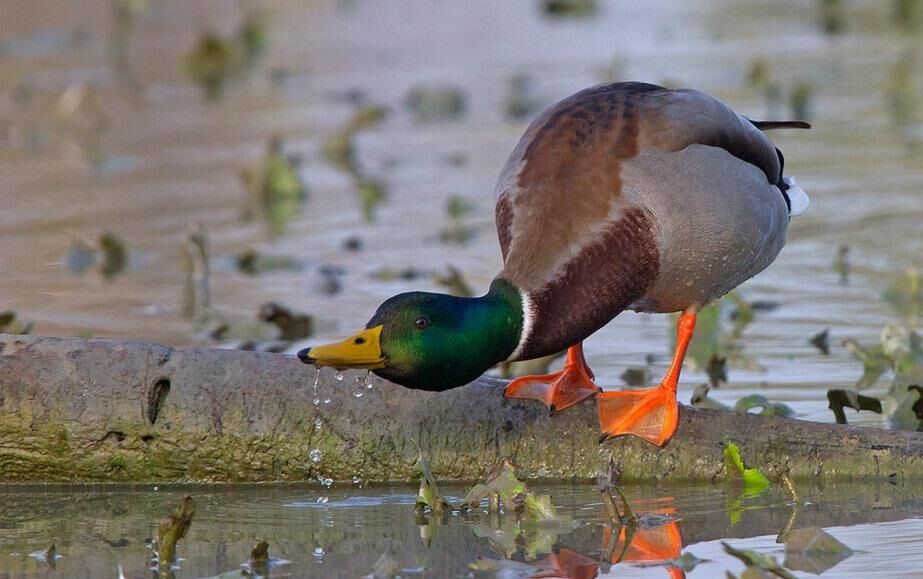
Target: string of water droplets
<point>363,383</point>
<point>316,455</point>
<point>366,381</point>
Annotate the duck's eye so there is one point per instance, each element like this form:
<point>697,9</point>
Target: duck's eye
<point>422,323</point>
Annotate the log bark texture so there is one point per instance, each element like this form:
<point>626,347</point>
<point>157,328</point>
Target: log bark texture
<point>105,410</point>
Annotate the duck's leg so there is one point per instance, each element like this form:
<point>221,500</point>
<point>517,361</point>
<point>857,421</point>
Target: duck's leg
<point>560,390</point>
<point>649,414</point>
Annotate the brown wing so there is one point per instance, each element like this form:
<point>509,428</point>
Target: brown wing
<point>562,182</point>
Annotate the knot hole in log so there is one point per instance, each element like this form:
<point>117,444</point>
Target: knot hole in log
<point>156,397</point>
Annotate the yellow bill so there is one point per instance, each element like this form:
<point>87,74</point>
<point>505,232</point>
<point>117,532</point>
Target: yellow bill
<point>361,351</point>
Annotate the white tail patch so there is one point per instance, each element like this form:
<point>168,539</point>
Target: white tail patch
<point>797,197</point>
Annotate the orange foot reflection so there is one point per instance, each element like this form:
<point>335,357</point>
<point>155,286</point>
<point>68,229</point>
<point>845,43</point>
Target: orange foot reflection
<point>566,564</point>
<point>652,545</point>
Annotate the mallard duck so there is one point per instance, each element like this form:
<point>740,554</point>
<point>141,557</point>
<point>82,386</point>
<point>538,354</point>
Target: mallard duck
<point>623,196</point>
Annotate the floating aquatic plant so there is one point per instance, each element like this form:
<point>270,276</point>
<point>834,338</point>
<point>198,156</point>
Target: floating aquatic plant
<point>767,408</point>
<point>700,399</point>
<point>758,73</point>
<point>292,326</point>
<point>717,341</point>
<point>841,263</point>
<point>569,8</point>
<point>799,101</point>
<point>124,15</point>
<point>438,103</point>
<point>216,60</point>
<point>905,294</point>
<point>253,38</point>
<point>899,352</point>
<point>457,231</point>
<point>110,252</point>
<point>454,282</point>
<point>832,20</point>
<point>213,62</point>
<point>637,377</point>
<point>371,194</point>
<point>339,150</point>
<point>520,105</point>
<point>902,96</point>
<point>114,255</point>
<point>907,15</point>
<point>276,192</point>
<point>252,262</point>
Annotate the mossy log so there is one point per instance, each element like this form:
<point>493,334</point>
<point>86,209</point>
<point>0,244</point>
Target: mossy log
<point>104,410</point>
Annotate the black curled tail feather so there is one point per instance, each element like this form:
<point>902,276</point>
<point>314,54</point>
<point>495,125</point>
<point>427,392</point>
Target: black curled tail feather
<point>769,125</point>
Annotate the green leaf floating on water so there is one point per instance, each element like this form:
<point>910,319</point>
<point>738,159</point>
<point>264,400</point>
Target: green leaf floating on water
<point>767,408</point>
<point>754,481</point>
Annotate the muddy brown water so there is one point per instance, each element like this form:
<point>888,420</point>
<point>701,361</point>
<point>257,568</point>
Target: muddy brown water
<point>148,163</point>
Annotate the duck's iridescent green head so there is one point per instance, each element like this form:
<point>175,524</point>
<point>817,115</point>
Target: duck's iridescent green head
<point>431,341</point>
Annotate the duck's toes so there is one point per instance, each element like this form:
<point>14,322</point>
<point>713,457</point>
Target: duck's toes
<point>649,414</point>
<point>558,391</point>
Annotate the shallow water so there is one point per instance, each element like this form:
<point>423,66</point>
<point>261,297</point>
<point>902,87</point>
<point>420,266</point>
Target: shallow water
<point>341,532</point>
<point>170,160</point>
<point>166,160</point>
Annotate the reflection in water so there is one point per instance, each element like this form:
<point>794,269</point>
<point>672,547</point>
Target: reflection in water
<point>96,530</point>
<point>76,157</point>
<point>660,544</point>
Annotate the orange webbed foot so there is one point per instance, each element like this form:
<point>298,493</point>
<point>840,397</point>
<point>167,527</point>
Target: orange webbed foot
<point>559,390</point>
<point>651,414</point>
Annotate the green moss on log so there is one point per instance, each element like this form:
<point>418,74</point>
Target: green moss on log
<point>83,410</point>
